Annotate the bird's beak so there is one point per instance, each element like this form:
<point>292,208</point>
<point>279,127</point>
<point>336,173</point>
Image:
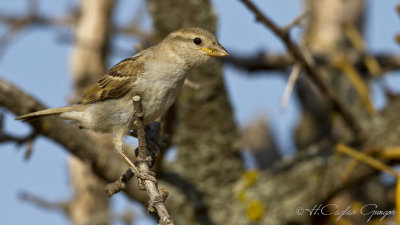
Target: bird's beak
<point>217,51</point>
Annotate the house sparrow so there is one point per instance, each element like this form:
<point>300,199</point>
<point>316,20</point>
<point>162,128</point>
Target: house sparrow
<point>156,74</point>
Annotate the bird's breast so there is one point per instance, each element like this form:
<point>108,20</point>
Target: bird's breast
<point>158,96</point>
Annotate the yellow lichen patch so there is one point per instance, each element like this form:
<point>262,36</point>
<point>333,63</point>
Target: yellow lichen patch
<point>247,180</point>
<point>255,210</point>
<point>250,177</point>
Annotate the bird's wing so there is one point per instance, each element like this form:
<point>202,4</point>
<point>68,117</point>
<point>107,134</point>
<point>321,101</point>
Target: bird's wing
<point>117,82</point>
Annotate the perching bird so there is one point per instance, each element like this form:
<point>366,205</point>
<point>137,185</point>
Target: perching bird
<point>156,74</point>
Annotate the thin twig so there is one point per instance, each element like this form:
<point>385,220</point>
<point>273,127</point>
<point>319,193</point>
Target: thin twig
<point>157,200</point>
<point>103,217</point>
<point>356,39</point>
<point>42,203</point>
<point>296,21</point>
<point>389,153</point>
<point>312,73</point>
<point>28,139</point>
<point>120,184</point>
<point>18,140</point>
<point>29,149</point>
<point>356,81</point>
<point>366,159</point>
<point>33,18</point>
<point>290,85</point>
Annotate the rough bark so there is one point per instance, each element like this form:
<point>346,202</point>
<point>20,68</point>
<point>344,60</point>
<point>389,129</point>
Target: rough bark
<point>311,178</point>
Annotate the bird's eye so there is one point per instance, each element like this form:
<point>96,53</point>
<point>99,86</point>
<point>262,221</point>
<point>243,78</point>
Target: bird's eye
<point>197,41</point>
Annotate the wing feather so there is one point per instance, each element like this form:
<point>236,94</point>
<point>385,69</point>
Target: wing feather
<point>117,82</point>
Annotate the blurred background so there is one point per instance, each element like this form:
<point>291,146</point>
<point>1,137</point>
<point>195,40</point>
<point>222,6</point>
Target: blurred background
<point>237,154</point>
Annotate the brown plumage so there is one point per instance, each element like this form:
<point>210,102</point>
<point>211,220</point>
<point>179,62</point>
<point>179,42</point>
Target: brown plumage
<point>117,82</point>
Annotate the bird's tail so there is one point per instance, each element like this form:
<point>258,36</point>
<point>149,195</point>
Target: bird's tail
<point>46,112</point>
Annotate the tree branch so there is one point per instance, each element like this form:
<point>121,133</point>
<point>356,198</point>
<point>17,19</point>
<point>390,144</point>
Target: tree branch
<point>312,72</point>
<point>267,61</point>
<point>260,61</point>
<point>68,20</point>
<point>144,160</point>
<point>120,184</point>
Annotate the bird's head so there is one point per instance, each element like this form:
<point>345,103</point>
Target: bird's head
<point>195,45</point>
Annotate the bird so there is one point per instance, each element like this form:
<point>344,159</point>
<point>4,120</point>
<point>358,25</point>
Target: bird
<point>156,74</point>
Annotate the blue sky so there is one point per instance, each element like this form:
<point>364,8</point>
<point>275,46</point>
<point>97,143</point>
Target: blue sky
<point>23,64</point>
